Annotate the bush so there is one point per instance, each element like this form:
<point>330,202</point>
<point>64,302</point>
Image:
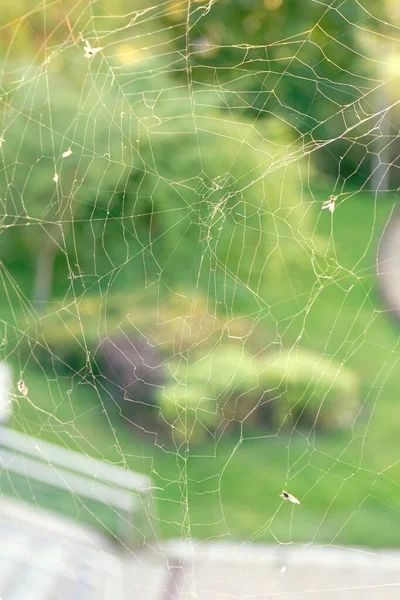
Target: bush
<point>311,389</point>
<point>284,389</point>
<point>70,334</point>
<point>201,394</point>
<point>162,356</point>
<point>132,369</point>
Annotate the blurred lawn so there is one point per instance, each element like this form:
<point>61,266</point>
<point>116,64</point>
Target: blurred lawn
<point>347,482</point>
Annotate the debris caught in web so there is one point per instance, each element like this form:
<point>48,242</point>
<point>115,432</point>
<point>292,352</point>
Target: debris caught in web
<point>55,178</point>
<point>22,387</point>
<point>67,153</point>
<point>287,496</point>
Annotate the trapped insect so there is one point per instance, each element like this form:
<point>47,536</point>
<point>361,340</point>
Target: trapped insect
<point>67,153</point>
<point>90,51</point>
<point>330,204</point>
<point>287,496</point>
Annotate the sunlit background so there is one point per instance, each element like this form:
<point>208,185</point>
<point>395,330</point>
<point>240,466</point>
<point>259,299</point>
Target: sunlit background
<point>199,274</point>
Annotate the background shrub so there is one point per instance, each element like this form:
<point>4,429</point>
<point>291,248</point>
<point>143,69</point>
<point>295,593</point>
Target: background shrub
<point>277,390</point>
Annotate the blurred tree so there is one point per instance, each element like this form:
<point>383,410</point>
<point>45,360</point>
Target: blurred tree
<point>163,178</point>
<point>182,187</point>
<point>302,62</point>
<point>43,193</point>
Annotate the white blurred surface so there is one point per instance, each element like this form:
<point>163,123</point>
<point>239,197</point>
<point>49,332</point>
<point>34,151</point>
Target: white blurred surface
<point>5,392</point>
<point>46,557</point>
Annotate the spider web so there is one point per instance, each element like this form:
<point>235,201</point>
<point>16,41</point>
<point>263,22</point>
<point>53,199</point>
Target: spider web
<point>174,300</point>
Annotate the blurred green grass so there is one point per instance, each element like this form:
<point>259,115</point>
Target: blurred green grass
<point>347,481</point>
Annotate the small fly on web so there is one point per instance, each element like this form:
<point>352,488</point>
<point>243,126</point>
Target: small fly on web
<point>287,496</point>
<point>90,51</point>
<point>67,153</point>
<point>330,204</point>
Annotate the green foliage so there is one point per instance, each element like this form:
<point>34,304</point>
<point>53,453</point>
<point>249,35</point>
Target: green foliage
<point>298,61</point>
<point>312,389</point>
<point>162,190</point>
<point>284,389</point>
<point>47,217</point>
<point>69,335</point>
<point>64,411</point>
<point>193,401</point>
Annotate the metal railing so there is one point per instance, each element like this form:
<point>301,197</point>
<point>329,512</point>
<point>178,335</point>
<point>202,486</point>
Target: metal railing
<point>126,492</point>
